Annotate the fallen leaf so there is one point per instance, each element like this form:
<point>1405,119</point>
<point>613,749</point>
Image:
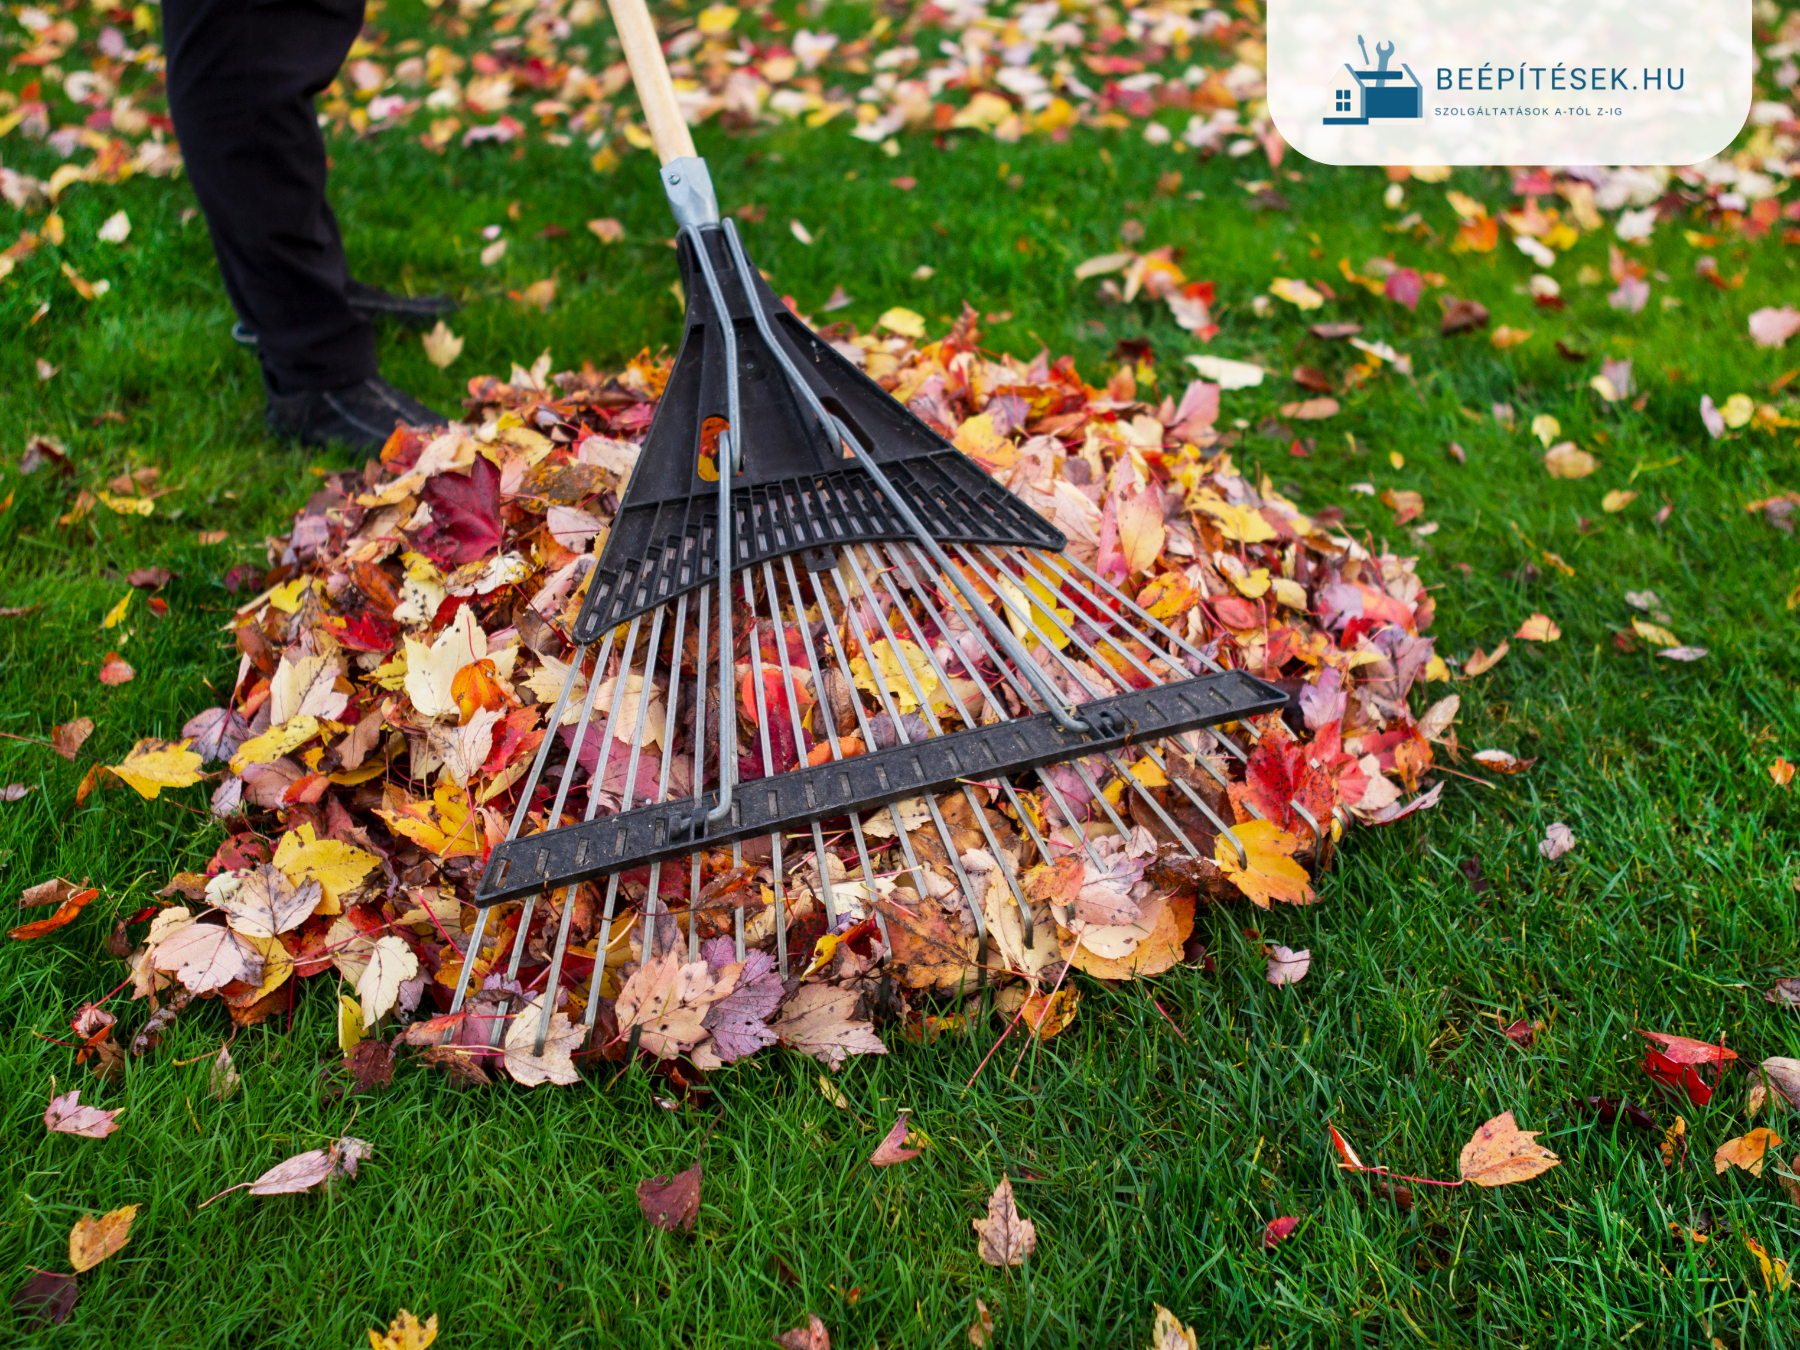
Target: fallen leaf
<point>391,963</point>
<point>67,738</point>
<point>1278,1231</point>
<point>1296,293</point>
<point>224,1079</point>
<point>1565,460</point>
<point>1311,409</point>
<point>1674,1144</point>
<point>666,1002</point>
<point>205,957</point>
<point>1226,373</point>
<point>812,1336</point>
<point>671,1203</point>
<point>313,1168</point>
<point>821,1020</point>
<point>1558,839</point>
<point>47,1297</point>
<point>1774,1273</point>
<point>890,1151</point>
<point>66,1115</point>
<point>981,1330</point>
<point>1781,772</point>
<point>1771,327</point>
<point>405,1332</point>
<point>115,670</point>
<point>1287,966</point>
<point>1482,662</point>
<point>92,1239</point>
<point>556,1064</point>
<point>266,903</point>
<point>1170,1334</point>
<point>1683,653</point>
<point>1501,1154</point>
<point>902,321</point>
<point>1746,1151</point>
<point>441,345</point>
<point>1538,628</point>
<point>1269,872</point>
<point>71,904</point>
<point>1502,761</point>
<point>1462,316</point>
<point>1617,500</point>
<point>1044,1015</point>
<point>1007,1238</point>
<point>606,229</point>
<point>1676,1063</point>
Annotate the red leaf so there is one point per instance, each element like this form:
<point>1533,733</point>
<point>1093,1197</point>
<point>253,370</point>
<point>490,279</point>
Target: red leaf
<point>1280,775</point>
<point>1674,1066</point>
<point>465,515</point>
<point>363,632</point>
<point>891,1150</point>
<point>1405,287</point>
<point>115,669</point>
<point>1277,1231</point>
<point>1684,1050</point>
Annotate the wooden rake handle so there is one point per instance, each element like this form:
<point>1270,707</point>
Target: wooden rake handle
<point>650,74</point>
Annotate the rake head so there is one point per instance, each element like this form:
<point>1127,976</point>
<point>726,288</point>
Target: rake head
<point>813,616</point>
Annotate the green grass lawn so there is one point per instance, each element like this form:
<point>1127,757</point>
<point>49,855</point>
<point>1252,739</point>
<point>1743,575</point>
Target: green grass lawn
<point>1150,1161</point>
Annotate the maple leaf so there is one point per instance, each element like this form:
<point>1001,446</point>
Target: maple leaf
<point>666,1001</point>
<point>1538,628</point>
<point>154,765</point>
<point>1141,530</point>
<point>1558,839</point>
<point>671,1203</point>
<point>205,957</point>
<point>266,903</point>
<point>981,1330</point>
<point>1269,872</point>
<point>821,1021</point>
<point>1746,1151</point>
<point>738,1021</point>
<point>442,346</point>
<point>1007,1238</point>
<point>114,669</point>
<point>555,1065</point>
<point>92,1239</point>
<point>465,515</point>
<point>1771,327</point>
<point>812,1336</point>
<point>406,1332</point>
<point>444,825</point>
<point>390,963</point>
<point>336,867</point>
<point>1044,1015</point>
<point>224,1080</point>
<point>1279,775</point>
<point>891,1149</point>
<point>1501,1154</point>
<point>1170,1334</point>
<point>66,1115</point>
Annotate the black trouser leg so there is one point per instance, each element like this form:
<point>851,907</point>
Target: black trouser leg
<point>241,79</point>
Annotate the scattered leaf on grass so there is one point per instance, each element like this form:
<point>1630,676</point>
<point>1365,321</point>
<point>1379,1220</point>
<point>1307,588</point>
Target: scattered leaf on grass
<point>1287,966</point>
<point>1044,1015</point>
<point>1682,653</point>
<point>48,1297</point>
<point>67,737</point>
<point>405,1332</point>
<point>1007,1238</point>
<point>92,1239</point>
<point>1277,1232</point>
<point>981,1330</point>
<point>891,1150</point>
<point>673,1202</point>
<point>832,1093</point>
<point>1502,761</point>
<point>306,1170</point>
<point>1501,1154</point>
<point>1674,1146</point>
<point>70,905</point>
<point>1538,628</point>
<point>1565,460</point>
<point>812,1336</point>
<point>1558,839</point>
<point>66,1115</point>
<point>1746,1151</point>
<point>154,765</point>
<point>1676,1064</point>
<point>1170,1334</point>
<point>1482,662</point>
<point>442,346</point>
<point>1781,773</point>
<point>114,669</point>
<point>224,1078</point>
<point>1616,501</point>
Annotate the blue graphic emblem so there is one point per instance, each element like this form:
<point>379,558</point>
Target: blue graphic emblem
<point>1377,94</point>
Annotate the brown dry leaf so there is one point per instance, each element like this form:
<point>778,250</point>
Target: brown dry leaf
<point>812,1336</point>
<point>820,1019</point>
<point>1501,1154</point>
<point>266,903</point>
<point>46,1298</point>
<point>1783,1075</point>
<point>66,1115</point>
<point>1789,1177</point>
<point>1746,1151</point>
<point>668,998</point>
<point>671,1203</point>
<point>51,892</point>
<point>1007,1238</point>
<point>556,1064</point>
<point>1170,1334</point>
<point>981,1330</point>
<point>66,739</point>
<point>405,1332</point>
<point>1482,662</point>
<point>890,1150</point>
<point>92,1240</point>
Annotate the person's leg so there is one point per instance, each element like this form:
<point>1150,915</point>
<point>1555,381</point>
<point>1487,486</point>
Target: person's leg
<point>241,79</point>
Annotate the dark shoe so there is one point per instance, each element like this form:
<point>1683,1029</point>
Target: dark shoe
<point>373,303</point>
<point>361,416</point>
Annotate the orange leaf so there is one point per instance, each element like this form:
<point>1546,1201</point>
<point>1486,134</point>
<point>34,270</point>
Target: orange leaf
<point>1045,1015</point>
<point>1501,1154</point>
<point>1268,872</point>
<point>65,912</point>
<point>475,688</point>
<point>1746,1151</point>
<point>1538,628</point>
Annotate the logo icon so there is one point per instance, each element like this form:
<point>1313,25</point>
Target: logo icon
<point>1377,94</point>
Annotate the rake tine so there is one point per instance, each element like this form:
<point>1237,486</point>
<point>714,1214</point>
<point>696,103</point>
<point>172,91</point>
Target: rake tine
<point>468,965</point>
<point>862,722</point>
<point>773,596</point>
<point>831,736</point>
<point>652,897</point>
<point>704,633</point>
<point>621,683</point>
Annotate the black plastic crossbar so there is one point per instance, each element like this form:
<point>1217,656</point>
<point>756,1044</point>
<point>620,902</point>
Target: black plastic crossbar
<point>762,806</point>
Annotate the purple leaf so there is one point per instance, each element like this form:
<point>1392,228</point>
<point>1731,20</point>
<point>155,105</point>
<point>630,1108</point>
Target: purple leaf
<point>1405,287</point>
<point>737,1020</point>
<point>217,733</point>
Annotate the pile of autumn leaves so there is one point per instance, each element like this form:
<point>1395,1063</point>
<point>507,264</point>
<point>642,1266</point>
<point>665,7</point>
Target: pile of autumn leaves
<point>395,670</point>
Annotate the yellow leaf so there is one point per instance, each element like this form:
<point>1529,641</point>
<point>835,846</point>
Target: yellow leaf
<point>1170,1334</point>
<point>1546,428</point>
<point>1538,628</point>
<point>116,615</point>
<point>92,1240</point>
<point>1296,293</point>
<point>350,1027</point>
<point>128,506</point>
<point>277,965</point>
<point>1289,593</point>
<point>1604,387</point>
<point>1271,874</point>
<point>716,20</point>
<point>154,765</point>
<point>894,659</point>
<point>441,345</point>
<point>1242,524</point>
<point>1737,410</point>
<point>444,825</point>
<point>904,322</point>
<point>1616,501</point>
<point>977,438</point>
<point>275,742</point>
<point>1046,1015</point>
<point>1040,599</point>
<point>1505,338</point>
<point>339,868</point>
<point>1464,205</point>
<point>1654,633</point>
<point>1170,593</point>
<point>1774,1273</point>
<point>406,1332</point>
<point>1746,1151</point>
<point>287,598</point>
<point>1564,460</point>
